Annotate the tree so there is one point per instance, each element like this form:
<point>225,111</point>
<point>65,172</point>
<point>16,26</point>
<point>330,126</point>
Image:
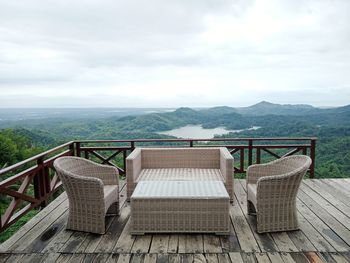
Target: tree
<point>8,151</point>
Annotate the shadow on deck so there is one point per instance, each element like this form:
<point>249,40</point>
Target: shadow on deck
<point>324,235</point>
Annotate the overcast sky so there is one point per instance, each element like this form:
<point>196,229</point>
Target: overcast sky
<point>170,53</point>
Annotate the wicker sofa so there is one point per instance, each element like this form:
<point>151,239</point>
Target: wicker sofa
<point>92,191</point>
<point>271,192</point>
<point>179,164</point>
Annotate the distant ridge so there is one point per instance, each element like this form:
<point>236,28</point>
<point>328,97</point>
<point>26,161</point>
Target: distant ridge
<point>220,110</point>
<point>261,114</point>
<point>267,108</point>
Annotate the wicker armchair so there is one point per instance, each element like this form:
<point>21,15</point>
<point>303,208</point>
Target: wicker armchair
<point>92,191</point>
<point>271,192</point>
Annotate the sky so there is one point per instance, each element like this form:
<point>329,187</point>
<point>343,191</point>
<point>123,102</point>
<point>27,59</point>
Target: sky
<point>156,53</point>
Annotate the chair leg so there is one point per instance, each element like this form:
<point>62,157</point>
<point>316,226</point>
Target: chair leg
<point>113,210</point>
<point>250,208</point>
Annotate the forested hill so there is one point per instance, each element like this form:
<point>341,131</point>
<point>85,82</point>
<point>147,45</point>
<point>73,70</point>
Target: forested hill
<point>19,144</point>
<point>229,118</point>
<point>266,108</point>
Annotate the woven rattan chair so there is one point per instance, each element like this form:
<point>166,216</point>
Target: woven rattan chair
<point>271,192</point>
<point>179,164</point>
<point>92,191</point>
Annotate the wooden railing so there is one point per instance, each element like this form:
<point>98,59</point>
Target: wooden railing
<point>246,150</point>
<point>34,175</point>
<point>29,183</point>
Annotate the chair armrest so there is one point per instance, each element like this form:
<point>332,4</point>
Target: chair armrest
<point>133,166</point>
<point>86,189</point>
<point>226,165</point>
<point>278,188</point>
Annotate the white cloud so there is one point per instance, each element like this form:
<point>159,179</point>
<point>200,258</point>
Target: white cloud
<point>173,53</point>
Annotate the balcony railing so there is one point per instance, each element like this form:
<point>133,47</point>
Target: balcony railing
<point>30,183</point>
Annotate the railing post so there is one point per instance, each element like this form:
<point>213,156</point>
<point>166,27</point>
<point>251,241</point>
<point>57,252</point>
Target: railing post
<point>258,155</point>
<point>72,149</point>
<point>241,156</point>
<point>41,182</point>
<point>250,152</point>
<point>312,156</point>
<point>78,149</point>
<point>191,143</point>
<point>304,150</point>
<point>132,145</point>
<point>124,161</point>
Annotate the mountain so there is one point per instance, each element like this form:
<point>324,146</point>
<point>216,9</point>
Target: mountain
<point>155,122</point>
<point>37,138</point>
<point>343,109</point>
<point>219,110</point>
<point>185,114</point>
<point>267,108</point>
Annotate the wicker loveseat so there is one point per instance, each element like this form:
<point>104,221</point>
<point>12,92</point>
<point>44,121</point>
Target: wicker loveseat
<point>179,164</point>
<point>271,192</point>
<point>92,191</point>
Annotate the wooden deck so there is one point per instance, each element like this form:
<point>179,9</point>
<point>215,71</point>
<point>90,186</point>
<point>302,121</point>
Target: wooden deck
<point>324,211</point>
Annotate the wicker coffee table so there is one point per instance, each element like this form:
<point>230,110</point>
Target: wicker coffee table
<point>180,207</point>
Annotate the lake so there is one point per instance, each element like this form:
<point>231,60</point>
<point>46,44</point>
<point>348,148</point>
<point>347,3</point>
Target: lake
<point>198,132</point>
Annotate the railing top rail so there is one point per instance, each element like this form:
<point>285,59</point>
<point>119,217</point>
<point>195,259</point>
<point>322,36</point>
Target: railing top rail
<point>208,140</point>
<point>34,158</point>
<point>197,146</point>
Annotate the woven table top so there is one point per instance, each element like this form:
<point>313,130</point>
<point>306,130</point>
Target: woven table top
<point>180,189</point>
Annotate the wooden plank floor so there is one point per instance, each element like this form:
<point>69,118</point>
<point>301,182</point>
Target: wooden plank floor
<point>324,235</point>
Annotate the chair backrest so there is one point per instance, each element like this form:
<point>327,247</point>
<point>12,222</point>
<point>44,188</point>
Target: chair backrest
<point>72,171</point>
<point>292,164</point>
<point>180,158</point>
<point>287,174</point>
<point>71,165</point>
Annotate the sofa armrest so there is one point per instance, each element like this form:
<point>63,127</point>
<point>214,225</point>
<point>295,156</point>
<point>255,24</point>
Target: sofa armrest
<point>227,171</point>
<point>226,164</point>
<point>133,170</point>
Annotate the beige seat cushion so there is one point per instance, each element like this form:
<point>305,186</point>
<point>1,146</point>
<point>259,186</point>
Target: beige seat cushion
<point>110,195</point>
<point>180,174</point>
<point>251,189</point>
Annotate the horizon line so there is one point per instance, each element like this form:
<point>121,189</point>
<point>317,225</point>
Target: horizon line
<point>163,107</point>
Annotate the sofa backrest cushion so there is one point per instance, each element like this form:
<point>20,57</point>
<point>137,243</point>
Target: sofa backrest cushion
<point>180,158</point>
